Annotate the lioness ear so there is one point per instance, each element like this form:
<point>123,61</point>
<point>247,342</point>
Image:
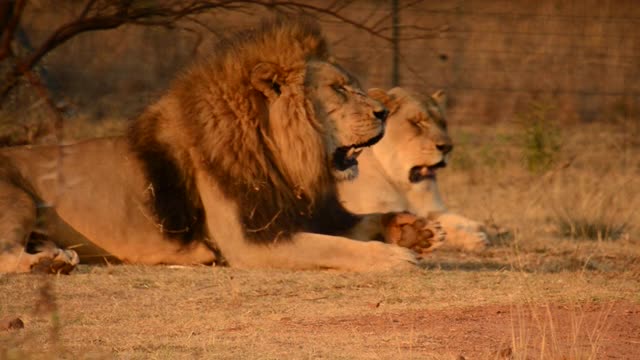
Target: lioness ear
<point>389,101</point>
<point>441,98</point>
<point>264,78</point>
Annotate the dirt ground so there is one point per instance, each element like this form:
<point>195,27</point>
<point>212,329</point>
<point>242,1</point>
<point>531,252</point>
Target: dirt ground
<point>464,311</point>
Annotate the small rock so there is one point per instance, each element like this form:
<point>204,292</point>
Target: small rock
<point>506,353</point>
<point>11,323</point>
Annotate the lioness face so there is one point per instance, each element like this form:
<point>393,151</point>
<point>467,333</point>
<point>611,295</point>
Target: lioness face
<point>351,119</point>
<point>416,143</point>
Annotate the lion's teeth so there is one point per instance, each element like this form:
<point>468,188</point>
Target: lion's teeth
<point>351,152</point>
<point>424,171</point>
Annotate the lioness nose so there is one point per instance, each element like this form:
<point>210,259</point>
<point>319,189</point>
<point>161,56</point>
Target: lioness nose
<point>381,114</point>
<point>444,148</point>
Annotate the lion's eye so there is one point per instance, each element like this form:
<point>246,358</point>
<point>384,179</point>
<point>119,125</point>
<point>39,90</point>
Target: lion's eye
<point>339,88</point>
<point>276,87</point>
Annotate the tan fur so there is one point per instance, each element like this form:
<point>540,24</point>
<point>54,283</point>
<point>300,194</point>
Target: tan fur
<point>415,129</point>
<point>237,159</point>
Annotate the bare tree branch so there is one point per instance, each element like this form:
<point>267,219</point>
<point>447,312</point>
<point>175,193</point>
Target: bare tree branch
<point>110,14</point>
<point>88,6</point>
<point>13,13</point>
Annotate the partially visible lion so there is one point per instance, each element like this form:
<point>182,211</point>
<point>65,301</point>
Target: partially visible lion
<point>398,174</point>
<point>236,163</point>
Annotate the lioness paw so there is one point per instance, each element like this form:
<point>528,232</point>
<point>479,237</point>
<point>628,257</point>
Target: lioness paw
<point>469,239</point>
<point>480,241</point>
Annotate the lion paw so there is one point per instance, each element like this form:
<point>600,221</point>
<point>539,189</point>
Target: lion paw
<point>418,234</point>
<point>56,261</point>
<point>383,257</point>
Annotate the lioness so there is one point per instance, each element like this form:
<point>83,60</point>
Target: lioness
<point>237,162</point>
<point>398,173</point>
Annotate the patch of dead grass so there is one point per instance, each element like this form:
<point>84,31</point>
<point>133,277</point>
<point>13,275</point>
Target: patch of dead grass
<point>228,313</point>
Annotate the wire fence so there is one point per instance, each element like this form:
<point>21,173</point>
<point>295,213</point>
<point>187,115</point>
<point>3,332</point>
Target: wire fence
<point>496,57</point>
<point>493,57</point>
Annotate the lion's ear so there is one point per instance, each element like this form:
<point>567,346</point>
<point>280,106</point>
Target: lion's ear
<point>389,101</point>
<point>441,98</point>
<point>264,78</point>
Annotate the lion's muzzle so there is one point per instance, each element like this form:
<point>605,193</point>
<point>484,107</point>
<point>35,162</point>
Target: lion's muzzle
<point>346,157</point>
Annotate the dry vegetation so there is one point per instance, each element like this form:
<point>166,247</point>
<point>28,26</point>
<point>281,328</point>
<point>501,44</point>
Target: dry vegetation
<point>540,292</point>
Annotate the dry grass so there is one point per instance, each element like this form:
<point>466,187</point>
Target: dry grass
<point>539,294</point>
<point>144,312</point>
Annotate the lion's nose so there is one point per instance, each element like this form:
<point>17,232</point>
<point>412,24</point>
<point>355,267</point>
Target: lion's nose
<point>381,114</point>
<point>444,148</point>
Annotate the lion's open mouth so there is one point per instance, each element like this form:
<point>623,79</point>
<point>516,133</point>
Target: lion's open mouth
<point>424,172</point>
<point>346,157</point>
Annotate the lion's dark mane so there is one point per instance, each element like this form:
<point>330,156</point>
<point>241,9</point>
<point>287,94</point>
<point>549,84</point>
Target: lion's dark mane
<point>223,118</point>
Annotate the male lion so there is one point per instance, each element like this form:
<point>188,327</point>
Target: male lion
<point>237,162</point>
<point>398,174</point>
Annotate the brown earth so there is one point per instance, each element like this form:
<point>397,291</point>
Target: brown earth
<point>497,331</point>
<point>135,312</point>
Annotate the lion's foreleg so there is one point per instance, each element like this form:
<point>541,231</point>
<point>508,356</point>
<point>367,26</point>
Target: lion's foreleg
<point>370,227</point>
<point>302,251</point>
<point>316,251</point>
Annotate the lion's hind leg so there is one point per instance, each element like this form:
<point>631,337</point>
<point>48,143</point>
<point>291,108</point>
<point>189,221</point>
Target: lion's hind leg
<point>21,249</point>
<point>47,257</point>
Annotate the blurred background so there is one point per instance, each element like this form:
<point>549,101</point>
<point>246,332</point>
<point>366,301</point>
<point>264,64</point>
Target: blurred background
<point>493,57</point>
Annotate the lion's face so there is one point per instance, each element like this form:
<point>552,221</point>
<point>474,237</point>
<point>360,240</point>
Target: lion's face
<point>318,106</point>
<point>416,143</point>
<point>351,119</point>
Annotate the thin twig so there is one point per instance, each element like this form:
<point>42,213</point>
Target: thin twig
<point>10,28</point>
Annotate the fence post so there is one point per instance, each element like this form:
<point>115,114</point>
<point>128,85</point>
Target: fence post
<point>395,70</point>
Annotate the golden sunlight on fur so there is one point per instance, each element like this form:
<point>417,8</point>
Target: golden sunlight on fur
<point>235,164</point>
<point>398,174</point>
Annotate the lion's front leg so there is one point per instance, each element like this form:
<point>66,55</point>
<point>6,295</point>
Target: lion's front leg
<point>302,251</point>
<point>311,251</point>
<point>316,251</point>
<point>307,251</point>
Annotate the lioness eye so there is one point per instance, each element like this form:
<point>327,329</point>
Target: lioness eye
<point>418,126</point>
